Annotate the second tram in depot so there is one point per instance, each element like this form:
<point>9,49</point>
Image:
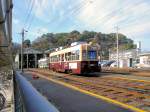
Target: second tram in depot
<point>77,59</point>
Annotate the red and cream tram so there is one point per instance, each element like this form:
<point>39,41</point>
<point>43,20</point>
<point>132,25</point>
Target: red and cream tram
<point>77,59</point>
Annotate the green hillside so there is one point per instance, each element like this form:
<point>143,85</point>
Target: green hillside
<point>106,41</point>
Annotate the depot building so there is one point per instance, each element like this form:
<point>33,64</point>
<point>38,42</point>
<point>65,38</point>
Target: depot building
<point>30,58</point>
<point>144,59</point>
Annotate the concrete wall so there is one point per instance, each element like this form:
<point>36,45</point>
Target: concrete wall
<point>145,59</point>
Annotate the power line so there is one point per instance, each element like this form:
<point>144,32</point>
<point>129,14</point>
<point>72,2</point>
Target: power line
<point>74,10</point>
<point>22,36</point>
<point>118,10</point>
<point>133,21</point>
<point>117,28</point>
<point>30,23</point>
<point>31,20</point>
<point>109,14</point>
<point>29,13</point>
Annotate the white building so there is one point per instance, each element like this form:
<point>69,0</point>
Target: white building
<point>30,58</point>
<point>144,60</point>
<point>43,62</point>
<point>127,58</point>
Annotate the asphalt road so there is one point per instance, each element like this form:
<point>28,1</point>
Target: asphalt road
<point>69,100</point>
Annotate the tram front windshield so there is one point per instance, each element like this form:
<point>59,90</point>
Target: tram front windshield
<point>92,55</point>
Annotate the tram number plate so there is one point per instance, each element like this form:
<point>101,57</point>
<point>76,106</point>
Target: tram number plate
<point>92,64</point>
<point>73,65</point>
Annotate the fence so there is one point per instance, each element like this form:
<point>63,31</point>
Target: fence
<point>27,98</point>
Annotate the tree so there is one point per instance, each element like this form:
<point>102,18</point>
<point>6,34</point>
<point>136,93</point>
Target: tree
<point>74,35</point>
<point>27,43</point>
<point>97,41</point>
<point>104,41</point>
<point>87,36</point>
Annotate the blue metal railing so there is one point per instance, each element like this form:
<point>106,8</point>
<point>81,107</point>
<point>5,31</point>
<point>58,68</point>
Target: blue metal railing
<point>28,99</point>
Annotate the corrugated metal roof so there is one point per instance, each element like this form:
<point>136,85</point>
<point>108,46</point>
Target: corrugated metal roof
<point>32,51</point>
<point>144,53</point>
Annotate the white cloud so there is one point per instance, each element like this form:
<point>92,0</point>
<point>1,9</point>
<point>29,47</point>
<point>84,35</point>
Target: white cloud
<point>137,29</point>
<point>104,15</point>
<point>42,9</point>
<point>100,15</point>
<point>37,31</point>
<point>15,21</point>
<point>46,9</point>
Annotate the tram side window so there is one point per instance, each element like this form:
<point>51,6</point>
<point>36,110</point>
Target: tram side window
<point>58,57</point>
<point>69,56</point>
<point>51,59</point>
<point>77,54</point>
<point>66,57</point>
<point>74,55</point>
<point>84,54</point>
<point>62,57</point>
<point>55,58</point>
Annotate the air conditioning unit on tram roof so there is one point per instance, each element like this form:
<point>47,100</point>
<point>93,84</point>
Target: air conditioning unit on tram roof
<point>60,48</point>
<point>56,49</point>
<point>77,43</point>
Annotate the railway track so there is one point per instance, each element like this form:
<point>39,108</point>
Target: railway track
<point>129,92</point>
<point>129,71</point>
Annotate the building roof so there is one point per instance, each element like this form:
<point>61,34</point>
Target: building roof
<point>144,53</point>
<point>126,54</point>
<point>48,51</point>
<point>31,51</point>
<point>124,51</point>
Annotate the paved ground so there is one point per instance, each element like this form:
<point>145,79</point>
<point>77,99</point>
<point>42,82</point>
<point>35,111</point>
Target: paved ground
<point>68,100</point>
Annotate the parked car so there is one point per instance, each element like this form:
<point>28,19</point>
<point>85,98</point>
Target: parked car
<point>106,63</point>
<point>114,64</point>
<point>138,65</point>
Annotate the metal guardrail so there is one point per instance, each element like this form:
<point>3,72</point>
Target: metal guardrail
<point>28,99</point>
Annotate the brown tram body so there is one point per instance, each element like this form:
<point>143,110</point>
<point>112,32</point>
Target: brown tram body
<point>78,59</point>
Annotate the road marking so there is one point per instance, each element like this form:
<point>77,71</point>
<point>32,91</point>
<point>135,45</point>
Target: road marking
<point>93,94</point>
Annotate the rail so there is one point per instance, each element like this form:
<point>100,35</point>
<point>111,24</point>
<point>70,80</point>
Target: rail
<point>27,98</point>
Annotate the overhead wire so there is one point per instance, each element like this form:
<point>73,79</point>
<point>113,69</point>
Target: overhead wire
<point>29,11</point>
<point>73,10</point>
<point>82,7</point>
<point>118,10</point>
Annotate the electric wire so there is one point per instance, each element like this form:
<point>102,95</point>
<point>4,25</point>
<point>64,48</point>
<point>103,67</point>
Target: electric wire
<point>29,13</point>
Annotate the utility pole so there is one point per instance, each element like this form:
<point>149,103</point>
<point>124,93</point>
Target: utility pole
<point>22,34</point>
<point>117,46</point>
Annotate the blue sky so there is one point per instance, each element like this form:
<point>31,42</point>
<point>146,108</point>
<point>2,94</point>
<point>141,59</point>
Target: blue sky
<point>131,16</point>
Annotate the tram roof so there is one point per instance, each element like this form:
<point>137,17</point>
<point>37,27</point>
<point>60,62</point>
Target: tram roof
<point>76,47</point>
